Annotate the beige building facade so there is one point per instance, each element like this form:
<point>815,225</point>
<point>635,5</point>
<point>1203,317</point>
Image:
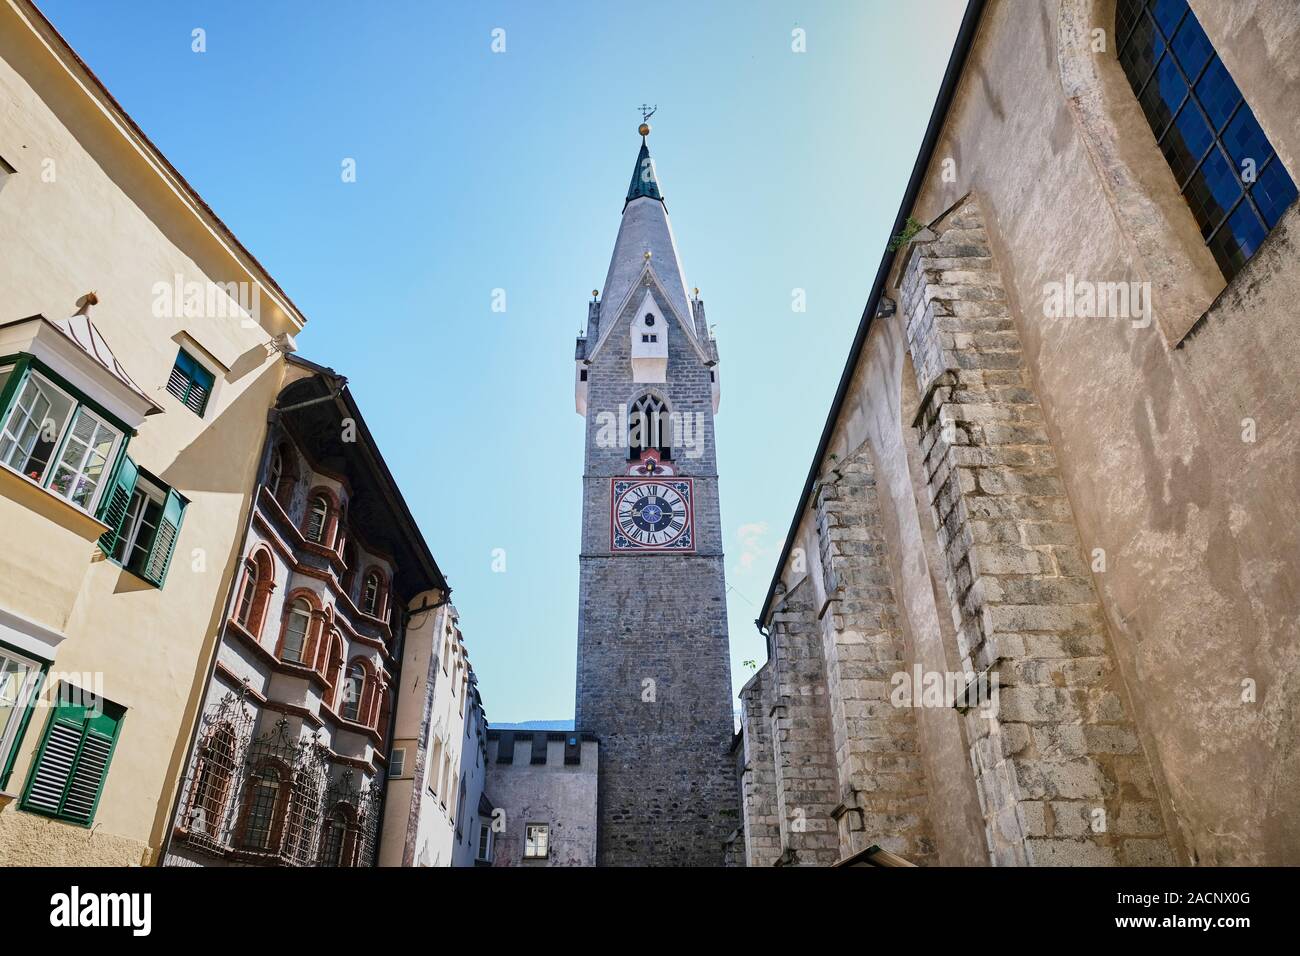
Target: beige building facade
<point>1038,602</point>
<point>137,365</point>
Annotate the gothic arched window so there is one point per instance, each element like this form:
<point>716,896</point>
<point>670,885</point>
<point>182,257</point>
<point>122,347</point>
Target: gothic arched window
<point>1225,166</point>
<point>649,426</point>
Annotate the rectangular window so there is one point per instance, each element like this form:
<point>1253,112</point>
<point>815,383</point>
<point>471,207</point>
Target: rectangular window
<point>20,679</point>
<point>53,439</point>
<point>537,839</point>
<point>68,777</point>
<point>397,766</point>
<point>144,518</point>
<point>191,383</point>
<point>484,854</point>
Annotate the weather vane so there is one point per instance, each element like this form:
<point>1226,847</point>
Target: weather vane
<point>647,112</point>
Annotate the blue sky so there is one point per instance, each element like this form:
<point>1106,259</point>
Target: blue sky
<point>478,171</point>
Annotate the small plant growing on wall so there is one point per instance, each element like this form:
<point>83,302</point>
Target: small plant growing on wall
<point>910,229</point>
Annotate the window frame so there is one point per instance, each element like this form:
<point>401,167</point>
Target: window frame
<point>25,704</point>
<point>1192,98</point>
<point>128,541</point>
<point>62,705</point>
<point>21,367</point>
<point>483,852</point>
<point>531,844</point>
<point>192,380</point>
<point>171,513</point>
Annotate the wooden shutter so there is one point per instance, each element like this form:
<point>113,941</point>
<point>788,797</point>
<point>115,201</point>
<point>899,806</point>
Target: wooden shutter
<point>164,540</point>
<point>113,511</point>
<point>191,383</point>
<point>72,765</point>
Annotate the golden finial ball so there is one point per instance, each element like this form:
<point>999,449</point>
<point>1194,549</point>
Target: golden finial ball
<point>644,129</point>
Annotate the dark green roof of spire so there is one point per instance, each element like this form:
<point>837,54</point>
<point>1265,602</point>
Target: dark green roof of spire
<point>643,177</point>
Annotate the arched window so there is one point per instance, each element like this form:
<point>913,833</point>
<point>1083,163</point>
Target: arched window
<point>649,426</point>
<point>318,518</point>
<point>385,713</point>
<point>349,567</point>
<point>354,688</point>
<point>255,591</point>
<point>297,628</point>
<point>216,762</point>
<point>276,471</point>
<point>333,667</point>
<point>372,593</point>
<point>1225,166</point>
<point>264,802</point>
<point>283,474</point>
<point>338,837</point>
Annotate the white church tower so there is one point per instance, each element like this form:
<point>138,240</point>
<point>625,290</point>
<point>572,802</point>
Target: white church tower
<point>654,677</point>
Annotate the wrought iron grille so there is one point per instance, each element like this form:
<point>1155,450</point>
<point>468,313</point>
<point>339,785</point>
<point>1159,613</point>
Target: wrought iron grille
<point>349,836</point>
<point>215,774</point>
<point>269,800</point>
<point>285,784</point>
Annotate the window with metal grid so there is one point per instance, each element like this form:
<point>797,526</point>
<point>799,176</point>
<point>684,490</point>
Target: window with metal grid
<point>1225,166</point>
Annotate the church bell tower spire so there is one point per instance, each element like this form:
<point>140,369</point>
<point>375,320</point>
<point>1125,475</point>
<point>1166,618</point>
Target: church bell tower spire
<point>653,674</point>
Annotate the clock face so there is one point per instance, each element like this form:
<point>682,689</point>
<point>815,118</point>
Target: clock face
<point>651,515</point>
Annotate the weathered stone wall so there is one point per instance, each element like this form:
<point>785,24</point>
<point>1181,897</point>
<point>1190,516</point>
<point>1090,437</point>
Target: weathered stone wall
<point>1167,680</point>
<point>1062,777</point>
<point>561,796</point>
<point>883,798</point>
<point>760,824</point>
<point>654,672</point>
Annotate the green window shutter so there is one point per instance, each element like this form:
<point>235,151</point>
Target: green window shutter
<point>72,765</point>
<point>191,383</point>
<point>113,511</point>
<point>164,539</point>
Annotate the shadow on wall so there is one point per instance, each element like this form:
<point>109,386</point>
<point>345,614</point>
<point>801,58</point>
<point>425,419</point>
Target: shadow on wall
<point>219,458</point>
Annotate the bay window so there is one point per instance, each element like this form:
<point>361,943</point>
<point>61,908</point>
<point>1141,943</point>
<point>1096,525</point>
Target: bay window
<point>53,438</point>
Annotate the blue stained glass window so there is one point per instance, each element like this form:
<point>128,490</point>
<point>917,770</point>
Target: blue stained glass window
<point>1224,164</point>
<point>1273,192</point>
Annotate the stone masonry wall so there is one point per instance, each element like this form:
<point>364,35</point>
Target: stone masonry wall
<point>762,825</point>
<point>882,790</point>
<point>807,782</point>
<point>654,668</point>
<point>1062,779</point>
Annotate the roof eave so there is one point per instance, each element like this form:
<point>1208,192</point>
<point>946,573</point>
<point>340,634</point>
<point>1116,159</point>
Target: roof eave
<point>938,116</point>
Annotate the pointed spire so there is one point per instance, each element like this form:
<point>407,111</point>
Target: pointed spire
<point>644,182</point>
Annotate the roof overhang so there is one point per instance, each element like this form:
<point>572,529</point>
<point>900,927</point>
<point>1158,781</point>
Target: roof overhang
<point>18,15</point>
<point>99,378</point>
<point>938,117</point>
